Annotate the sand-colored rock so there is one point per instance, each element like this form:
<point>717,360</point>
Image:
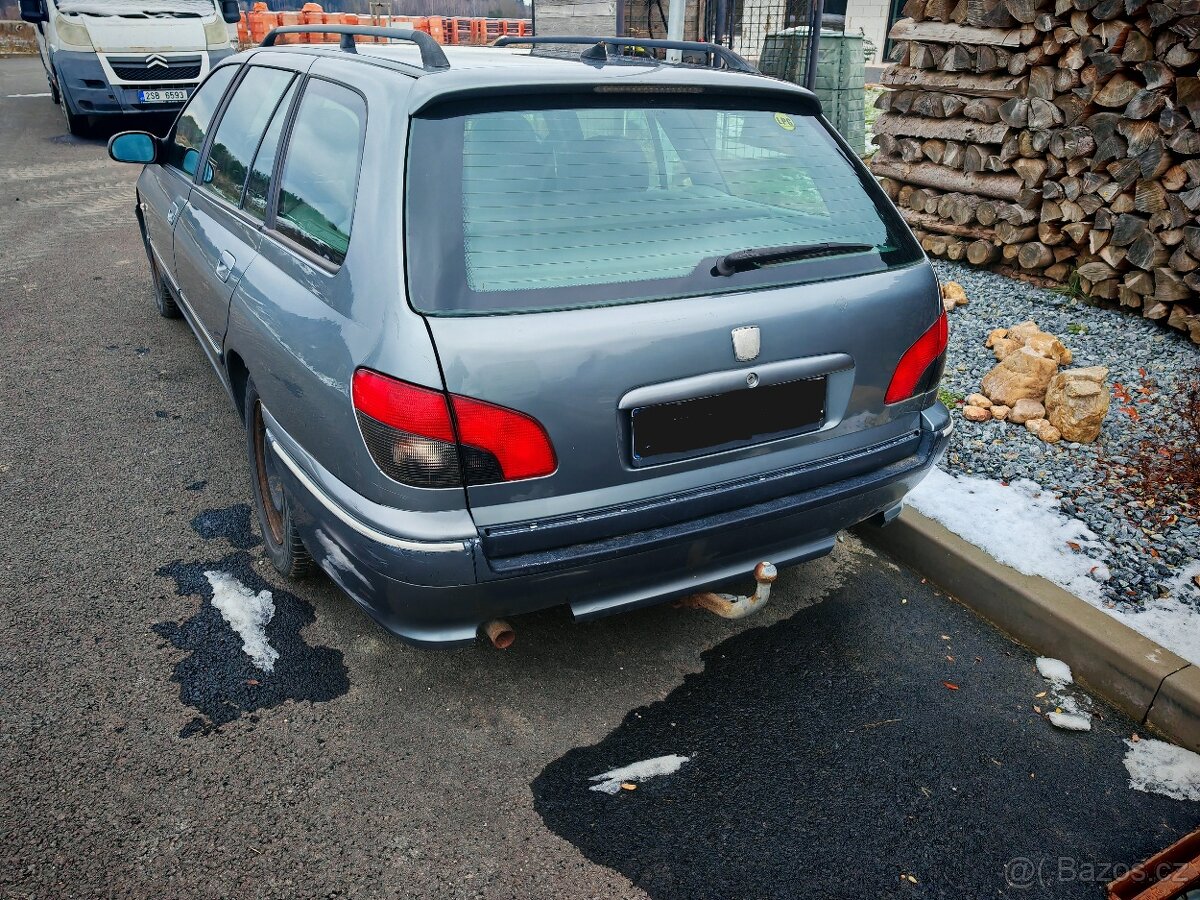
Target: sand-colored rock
<point>1035,426</point>
<point>1020,375</point>
<point>976,414</point>
<point>994,335</point>
<point>952,290</point>
<point>1024,410</point>
<point>1003,347</point>
<point>1024,331</point>
<point>1000,412</point>
<point>1003,342</point>
<point>1050,434</point>
<point>1049,345</point>
<point>1077,400</point>
<point>978,400</point>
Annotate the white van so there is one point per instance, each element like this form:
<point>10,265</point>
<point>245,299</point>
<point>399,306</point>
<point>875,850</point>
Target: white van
<point>117,57</point>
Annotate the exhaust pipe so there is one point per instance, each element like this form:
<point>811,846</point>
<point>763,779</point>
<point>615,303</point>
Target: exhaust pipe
<point>500,633</point>
<point>727,606</point>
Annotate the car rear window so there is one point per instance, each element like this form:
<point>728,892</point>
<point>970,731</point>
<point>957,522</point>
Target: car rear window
<point>600,200</point>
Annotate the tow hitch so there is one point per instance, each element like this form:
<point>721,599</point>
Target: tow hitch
<point>728,606</point>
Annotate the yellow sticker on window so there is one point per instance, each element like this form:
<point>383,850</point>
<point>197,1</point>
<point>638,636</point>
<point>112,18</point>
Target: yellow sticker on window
<point>785,121</point>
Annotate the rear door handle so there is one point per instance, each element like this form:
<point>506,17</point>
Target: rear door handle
<point>225,265</point>
<point>173,213</point>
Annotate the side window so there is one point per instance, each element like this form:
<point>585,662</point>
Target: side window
<point>258,185</point>
<point>320,171</point>
<point>241,129</point>
<point>187,138</point>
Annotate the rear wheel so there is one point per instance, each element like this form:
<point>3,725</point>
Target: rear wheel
<point>271,501</point>
<point>163,301</point>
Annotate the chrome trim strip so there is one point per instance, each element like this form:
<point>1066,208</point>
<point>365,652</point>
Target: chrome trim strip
<point>349,520</point>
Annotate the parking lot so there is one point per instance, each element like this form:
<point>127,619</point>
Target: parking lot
<point>862,736</point>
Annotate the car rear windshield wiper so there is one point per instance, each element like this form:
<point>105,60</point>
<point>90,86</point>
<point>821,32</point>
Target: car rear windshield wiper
<point>762,256</point>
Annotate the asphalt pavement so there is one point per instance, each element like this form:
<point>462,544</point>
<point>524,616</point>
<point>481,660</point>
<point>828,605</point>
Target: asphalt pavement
<point>861,737</point>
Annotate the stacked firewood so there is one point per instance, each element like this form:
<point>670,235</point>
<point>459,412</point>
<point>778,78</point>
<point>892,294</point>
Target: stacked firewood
<point>1053,140</point>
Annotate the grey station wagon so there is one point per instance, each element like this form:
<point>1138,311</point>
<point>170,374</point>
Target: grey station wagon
<point>526,326</point>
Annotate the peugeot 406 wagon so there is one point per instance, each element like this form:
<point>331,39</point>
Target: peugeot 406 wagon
<point>517,327</point>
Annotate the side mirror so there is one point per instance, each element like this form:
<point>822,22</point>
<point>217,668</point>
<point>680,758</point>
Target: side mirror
<point>133,147</point>
<point>191,159</point>
<point>231,11</point>
<point>34,11</point>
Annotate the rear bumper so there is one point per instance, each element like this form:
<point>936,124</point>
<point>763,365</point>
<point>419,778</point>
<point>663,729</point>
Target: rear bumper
<point>438,593</point>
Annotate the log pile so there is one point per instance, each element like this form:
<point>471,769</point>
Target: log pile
<point>1056,141</point>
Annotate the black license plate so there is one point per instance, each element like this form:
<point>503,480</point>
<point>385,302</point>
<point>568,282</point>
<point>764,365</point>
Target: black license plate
<point>738,417</point>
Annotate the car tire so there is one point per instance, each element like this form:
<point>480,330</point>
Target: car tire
<point>272,503</point>
<point>163,301</point>
<point>55,93</point>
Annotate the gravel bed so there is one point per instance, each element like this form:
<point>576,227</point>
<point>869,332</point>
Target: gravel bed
<point>1150,540</point>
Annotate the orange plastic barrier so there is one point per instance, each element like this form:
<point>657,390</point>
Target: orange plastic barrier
<point>255,25</point>
<point>313,14</point>
<point>289,18</point>
<point>260,20</point>
<point>436,29</point>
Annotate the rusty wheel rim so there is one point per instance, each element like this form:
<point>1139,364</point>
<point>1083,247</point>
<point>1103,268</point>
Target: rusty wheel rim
<point>270,487</point>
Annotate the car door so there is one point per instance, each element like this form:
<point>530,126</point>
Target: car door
<point>215,238</point>
<point>164,188</point>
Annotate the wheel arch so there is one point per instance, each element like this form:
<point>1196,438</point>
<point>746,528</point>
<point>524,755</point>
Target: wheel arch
<point>238,374</point>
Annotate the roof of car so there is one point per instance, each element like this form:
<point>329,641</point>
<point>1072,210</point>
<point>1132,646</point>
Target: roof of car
<point>475,71</point>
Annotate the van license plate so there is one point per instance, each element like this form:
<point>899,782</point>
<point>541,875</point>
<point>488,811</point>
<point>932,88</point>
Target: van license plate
<point>737,417</point>
<point>174,96</point>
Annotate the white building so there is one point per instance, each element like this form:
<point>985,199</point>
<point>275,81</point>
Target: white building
<point>873,18</point>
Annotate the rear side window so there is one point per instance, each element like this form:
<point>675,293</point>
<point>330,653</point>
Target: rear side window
<point>258,185</point>
<point>187,138</point>
<point>549,206</point>
<point>320,172</point>
<point>241,129</point>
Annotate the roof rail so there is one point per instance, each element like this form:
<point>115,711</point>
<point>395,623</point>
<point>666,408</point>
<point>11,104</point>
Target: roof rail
<point>432,57</point>
<point>599,49</point>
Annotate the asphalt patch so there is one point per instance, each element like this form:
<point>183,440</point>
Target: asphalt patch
<point>230,522</point>
<point>863,748</point>
<point>217,678</point>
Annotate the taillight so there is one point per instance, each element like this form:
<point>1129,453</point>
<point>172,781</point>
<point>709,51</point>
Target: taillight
<point>918,360</point>
<point>414,439</point>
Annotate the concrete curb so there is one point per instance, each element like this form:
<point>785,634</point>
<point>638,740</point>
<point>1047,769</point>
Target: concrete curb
<point>1147,682</point>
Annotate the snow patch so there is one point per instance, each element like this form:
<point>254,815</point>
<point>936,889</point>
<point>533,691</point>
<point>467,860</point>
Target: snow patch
<point>1054,670</point>
<point>1019,525</point>
<point>1069,721</point>
<point>1184,585</point>
<point>1069,713</point>
<point>1023,526</point>
<point>610,782</point>
<point>248,614</point>
<point>1157,767</point>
